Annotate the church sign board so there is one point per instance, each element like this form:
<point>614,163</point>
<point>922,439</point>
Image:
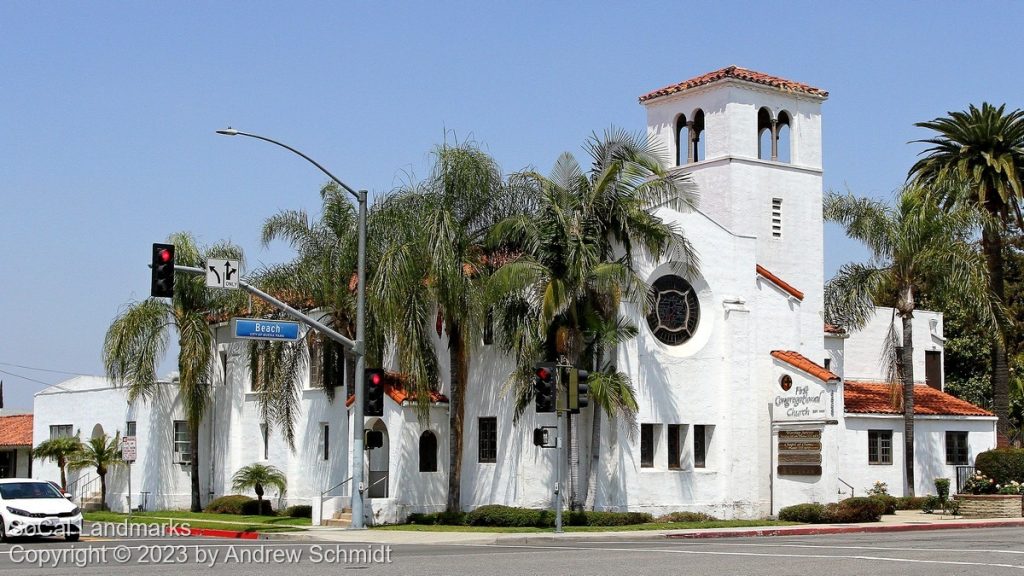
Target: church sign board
<point>799,453</point>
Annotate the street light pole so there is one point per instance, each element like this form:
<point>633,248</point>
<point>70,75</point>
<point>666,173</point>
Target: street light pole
<point>360,344</point>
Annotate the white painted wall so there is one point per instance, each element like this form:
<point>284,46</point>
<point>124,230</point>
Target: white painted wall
<point>863,349</point>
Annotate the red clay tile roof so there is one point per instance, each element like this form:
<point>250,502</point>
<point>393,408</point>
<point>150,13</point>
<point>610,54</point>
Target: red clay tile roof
<point>739,74</point>
<point>16,430</point>
<point>761,270</point>
<point>801,362</point>
<point>833,329</point>
<point>394,386</point>
<point>873,398</point>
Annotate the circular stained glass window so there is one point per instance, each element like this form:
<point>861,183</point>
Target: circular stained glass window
<point>673,318</point>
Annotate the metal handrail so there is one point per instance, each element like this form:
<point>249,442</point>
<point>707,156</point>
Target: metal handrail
<point>322,494</point>
<point>81,497</point>
<point>72,487</point>
<point>382,478</point>
<point>847,485</point>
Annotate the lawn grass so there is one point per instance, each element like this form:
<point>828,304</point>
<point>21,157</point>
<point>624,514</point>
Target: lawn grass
<point>205,520</point>
<point>628,528</point>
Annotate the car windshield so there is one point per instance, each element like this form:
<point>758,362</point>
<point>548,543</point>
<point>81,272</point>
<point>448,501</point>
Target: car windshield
<point>28,490</point>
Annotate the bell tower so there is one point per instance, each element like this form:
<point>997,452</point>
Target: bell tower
<point>752,143</point>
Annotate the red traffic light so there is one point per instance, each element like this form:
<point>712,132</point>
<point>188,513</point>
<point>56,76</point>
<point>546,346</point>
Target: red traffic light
<point>543,373</point>
<point>165,255</point>
<point>376,378</point>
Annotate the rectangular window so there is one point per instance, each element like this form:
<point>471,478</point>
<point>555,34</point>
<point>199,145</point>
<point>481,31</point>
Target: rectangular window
<point>879,446</point>
<point>265,434</point>
<point>182,445</point>
<point>325,441</point>
<point>316,361</point>
<point>488,440</point>
<point>647,445</point>
<point>933,368</point>
<point>61,431</point>
<point>828,363</point>
<point>489,327</point>
<point>956,448</point>
<point>701,439</point>
<point>676,434</point>
<point>777,217</point>
<point>129,428</point>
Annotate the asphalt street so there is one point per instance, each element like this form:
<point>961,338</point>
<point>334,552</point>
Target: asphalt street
<point>966,552</point>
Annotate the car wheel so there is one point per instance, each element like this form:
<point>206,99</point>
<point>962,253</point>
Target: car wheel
<point>3,531</point>
<point>72,536</point>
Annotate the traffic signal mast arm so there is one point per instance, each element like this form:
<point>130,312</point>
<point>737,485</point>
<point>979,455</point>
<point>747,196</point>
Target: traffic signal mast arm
<point>356,347</point>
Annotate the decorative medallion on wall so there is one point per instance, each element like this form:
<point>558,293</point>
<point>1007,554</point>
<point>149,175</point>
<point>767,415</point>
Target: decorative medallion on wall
<point>676,312</point>
<point>786,382</point>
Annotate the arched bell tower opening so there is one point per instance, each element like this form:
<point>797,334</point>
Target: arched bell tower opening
<point>682,136</point>
<point>783,133</point>
<point>697,137</point>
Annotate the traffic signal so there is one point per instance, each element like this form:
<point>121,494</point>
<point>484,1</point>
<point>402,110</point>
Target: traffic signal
<point>579,390</point>
<point>544,386</point>
<point>540,436</point>
<point>373,400</point>
<point>162,285</point>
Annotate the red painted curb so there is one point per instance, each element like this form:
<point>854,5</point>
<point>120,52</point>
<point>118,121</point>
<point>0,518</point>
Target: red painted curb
<point>211,532</point>
<point>809,531</point>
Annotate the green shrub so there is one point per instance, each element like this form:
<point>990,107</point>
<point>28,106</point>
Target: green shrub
<point>879,489</point>
<point>930,504</point>
<point>438,518</point>
<point>598,518</point>
<point>252,508</point>
<point>858,509</point>
<point>942,488</point>
<point>1002,464</point>
<point>889,502</point>
<point>807,513</point>
<point>301,511</point>
<point>228,504</point>
<point>687,517</point>
<point>498,515</point>
<point>910,502</point>
<point>979,483</point>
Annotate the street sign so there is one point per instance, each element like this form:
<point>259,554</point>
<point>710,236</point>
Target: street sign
<point>259,329</point>
<point>222,273</point>
<point>128,448</point>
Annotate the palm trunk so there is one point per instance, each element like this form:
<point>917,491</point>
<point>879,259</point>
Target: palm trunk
<point>456,408</point>
<point>574,462</point>
<point>61,463</point>
<point>590,490</point>
<point>907,373</point>
<point>103,491</point>
<point>193,430</point>
<point>992,245</point>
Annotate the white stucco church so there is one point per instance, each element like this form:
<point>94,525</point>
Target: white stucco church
<point>748,401</point>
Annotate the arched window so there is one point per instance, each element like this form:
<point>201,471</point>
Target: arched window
<point>697,136</point>
<point>682,136</point>
<point>782,137</point>
<point>765,134</point>
<point>428,452</point>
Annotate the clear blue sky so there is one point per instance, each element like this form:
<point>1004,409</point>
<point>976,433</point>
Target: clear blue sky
<point>107,113</point>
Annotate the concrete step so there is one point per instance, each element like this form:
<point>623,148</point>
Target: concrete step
<point>338,522</point>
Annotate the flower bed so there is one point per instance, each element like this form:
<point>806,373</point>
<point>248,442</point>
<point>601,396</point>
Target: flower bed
<point>990,505</point>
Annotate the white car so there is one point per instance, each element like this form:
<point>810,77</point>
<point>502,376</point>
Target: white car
<point>36,508</point>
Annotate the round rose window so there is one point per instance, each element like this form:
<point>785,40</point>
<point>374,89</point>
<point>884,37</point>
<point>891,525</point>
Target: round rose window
<point>673,318</point>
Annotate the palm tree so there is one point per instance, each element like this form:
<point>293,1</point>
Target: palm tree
<point>561,296</point>
<point>102,453</point>
<point>431,263</point>
<point>138,338</point>
<point>59,450</point>
<point>256,476</point>
<point>914,246</point>
<point>977,157</point>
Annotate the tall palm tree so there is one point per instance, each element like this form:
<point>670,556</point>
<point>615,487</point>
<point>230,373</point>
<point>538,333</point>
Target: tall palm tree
<point>977,157</point>
<point>318,279</point>
<point>914,246</point>
<point>561,297</point>
<point>431,262</point>
<point>258,476</point>
<point>102,453</point>
<point>138,338</point>
<point>59,450</point>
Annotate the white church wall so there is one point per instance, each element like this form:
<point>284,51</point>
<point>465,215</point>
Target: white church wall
<point>929,450</point>
<point>863,348</point>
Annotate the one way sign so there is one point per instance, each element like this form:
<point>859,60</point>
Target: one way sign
<point>222,273</point>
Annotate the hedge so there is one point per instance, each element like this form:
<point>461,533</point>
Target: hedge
<point>1002,464</point>
<point>806,513</point>
<point>228,504</point>
<point>495,515</point>
<point>300,511</point>
<point>847,511</point>
<point>890,503</point>
<point>687,517</point>
<point>910,502</point>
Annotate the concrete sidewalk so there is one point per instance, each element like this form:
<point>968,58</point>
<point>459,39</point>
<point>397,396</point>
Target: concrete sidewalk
<point>902,521</point>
